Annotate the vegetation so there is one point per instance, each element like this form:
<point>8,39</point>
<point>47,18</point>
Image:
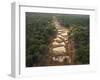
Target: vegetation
<point>79,33</point>
<point>39,30</point>
<point>70,19</point>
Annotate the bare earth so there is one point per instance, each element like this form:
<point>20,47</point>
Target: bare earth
<point>61,51</point>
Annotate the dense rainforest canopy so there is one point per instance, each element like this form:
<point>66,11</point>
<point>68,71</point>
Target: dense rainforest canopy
<point>40,30</point>
<point>79,32</point>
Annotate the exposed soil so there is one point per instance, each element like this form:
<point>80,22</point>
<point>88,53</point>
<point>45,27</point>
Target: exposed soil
<point>61,49</point>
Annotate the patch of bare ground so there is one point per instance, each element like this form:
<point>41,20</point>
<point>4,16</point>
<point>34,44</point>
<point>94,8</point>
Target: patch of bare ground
<point>61,49</point>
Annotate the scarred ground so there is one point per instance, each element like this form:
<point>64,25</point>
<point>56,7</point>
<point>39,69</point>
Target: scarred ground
<point>61,49</point>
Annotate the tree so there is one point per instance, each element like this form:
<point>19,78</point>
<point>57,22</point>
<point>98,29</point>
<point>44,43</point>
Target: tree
<point>39,30</point>
<point>80,35</point>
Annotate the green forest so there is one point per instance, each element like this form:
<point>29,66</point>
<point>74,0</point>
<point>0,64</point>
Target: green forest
<point>79,33</point>
<point>40,30</point>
